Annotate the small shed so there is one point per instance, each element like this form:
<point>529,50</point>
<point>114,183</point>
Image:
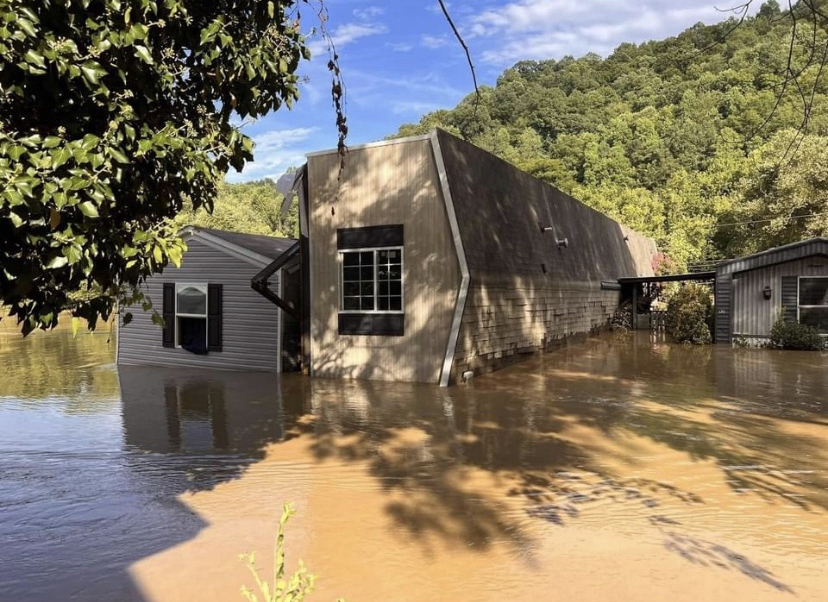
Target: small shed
<point>753,291</point>
<point>217,313</point>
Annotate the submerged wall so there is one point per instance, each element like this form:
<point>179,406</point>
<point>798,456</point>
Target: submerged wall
<point>250,322</point>
<point>389,183</point>
<point>530,289</point>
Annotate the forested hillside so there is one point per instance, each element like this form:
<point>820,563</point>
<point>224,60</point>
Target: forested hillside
<point>251,207</point>
<point>696,140</point>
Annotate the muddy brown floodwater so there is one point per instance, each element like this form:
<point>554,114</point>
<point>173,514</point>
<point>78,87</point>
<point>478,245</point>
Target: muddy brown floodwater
<point>623,469</point>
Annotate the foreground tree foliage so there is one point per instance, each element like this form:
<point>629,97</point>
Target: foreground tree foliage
<point>114,114</point>
<point>711,142</point>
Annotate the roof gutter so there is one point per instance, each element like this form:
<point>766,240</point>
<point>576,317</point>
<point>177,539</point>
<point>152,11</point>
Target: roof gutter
<point>259,282</point>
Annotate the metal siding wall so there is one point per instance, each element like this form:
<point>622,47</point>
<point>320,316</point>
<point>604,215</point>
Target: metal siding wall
<point>386,184</point>
<point>753,315</point>
<point>250,322</point>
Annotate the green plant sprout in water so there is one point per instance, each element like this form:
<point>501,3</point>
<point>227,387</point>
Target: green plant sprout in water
<point>279,589</point>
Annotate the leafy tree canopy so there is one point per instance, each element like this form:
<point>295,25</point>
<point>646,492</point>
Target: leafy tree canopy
<point>679,138</point>
<point>115,115</point>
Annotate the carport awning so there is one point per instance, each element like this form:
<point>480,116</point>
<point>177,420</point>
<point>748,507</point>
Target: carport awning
<point>694,276</point>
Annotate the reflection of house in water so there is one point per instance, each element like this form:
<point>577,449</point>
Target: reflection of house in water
<point>169,410</point>
<point>773,382</point>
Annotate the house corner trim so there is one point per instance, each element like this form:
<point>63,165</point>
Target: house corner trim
<point>462,293</point>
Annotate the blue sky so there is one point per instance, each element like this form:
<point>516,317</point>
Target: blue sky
<point>400,60</point>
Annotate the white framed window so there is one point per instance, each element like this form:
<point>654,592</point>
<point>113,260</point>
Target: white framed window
<point>191,316</point>
<point>371,280</point>
<point>813,302</point>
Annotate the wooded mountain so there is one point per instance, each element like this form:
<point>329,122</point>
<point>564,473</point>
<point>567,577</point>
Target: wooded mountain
<point>704,141</point>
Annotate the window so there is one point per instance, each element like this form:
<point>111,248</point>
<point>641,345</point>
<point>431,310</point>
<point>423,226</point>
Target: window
<point>813,302</point>
<point>371,280</point>
<point>192,316</point>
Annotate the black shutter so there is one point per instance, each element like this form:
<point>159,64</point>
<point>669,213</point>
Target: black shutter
<point>790,297</point>
<point>214,320</point>
<point>168,313</point>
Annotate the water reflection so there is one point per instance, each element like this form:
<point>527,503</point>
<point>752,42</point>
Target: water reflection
<point>622,458</point>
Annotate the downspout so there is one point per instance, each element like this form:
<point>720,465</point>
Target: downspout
<point>462,293</point>
<point>259,282</point>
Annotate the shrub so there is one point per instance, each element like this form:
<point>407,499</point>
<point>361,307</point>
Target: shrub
<point>793,335</point>
<point>278,587</point>
<point>689,313</point>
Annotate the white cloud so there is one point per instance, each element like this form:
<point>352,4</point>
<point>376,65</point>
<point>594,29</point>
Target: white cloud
<point>430,41</point>
<point>400,46</point>
<point>368,13</point>
<point>346,34</point>
<point>274,151</point>
<point>542,29</point>
<point>402,107</point>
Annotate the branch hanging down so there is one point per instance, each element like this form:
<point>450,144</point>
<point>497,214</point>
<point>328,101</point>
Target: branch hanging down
<point>465,48</point>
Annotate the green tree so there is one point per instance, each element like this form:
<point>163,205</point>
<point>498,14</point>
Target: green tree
<point>113,115</point>
<point>251,208</point>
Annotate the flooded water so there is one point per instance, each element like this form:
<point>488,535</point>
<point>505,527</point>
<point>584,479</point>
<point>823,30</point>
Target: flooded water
<point>620,469</point>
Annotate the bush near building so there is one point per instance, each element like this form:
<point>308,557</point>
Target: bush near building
<point>793,335</point>
<point>689,314</point>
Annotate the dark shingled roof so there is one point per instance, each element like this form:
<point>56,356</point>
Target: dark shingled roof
<point>269,246</point>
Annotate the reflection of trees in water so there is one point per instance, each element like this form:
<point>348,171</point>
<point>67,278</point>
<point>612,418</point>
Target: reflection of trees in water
<point>56,364</point>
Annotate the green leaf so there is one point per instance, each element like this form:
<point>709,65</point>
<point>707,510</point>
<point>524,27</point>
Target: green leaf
<point>57,262</point>
<point>143,53</point>
<point>88,208</point>
<point>119,156</point>
<point>34,58</point>
<point>51,141</point>
<point>92,71</point>
<point>127,318</point>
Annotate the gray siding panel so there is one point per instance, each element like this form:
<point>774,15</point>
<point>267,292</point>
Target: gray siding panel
<point>251,323</point>
<point>752,315</point>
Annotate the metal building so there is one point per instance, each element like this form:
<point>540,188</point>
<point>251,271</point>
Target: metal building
<point>753,291</point>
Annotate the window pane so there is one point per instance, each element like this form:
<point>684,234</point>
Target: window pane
<point>350,274</point>
<point>192,301</point>
<point>813,291</point>
<point>367,289</point>
<point>395,288</point>
<point>350,259</point>
<point>394,256</point>
<point>367,273</point>
<point>816,317</point>
<point>350,289</point>
<point>367,258</point>
<point>396,303</point>
<point>367,304</point>
<point>395,273</point>
<point>350,304</point>
<point>382,303</point>
<point>383,288</point>
<point>192,334</point>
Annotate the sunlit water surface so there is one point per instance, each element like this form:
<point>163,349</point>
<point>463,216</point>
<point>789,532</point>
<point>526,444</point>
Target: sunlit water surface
<point>620,469</point>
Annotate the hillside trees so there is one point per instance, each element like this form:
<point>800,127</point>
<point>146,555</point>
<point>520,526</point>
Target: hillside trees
<point>113,115</point>
<point>679,138</point>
